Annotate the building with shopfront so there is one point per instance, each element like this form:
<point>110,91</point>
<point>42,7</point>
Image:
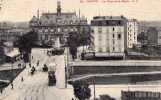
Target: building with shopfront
<point>140,95</point>
<point>112,35</point>
<point>108,35</point>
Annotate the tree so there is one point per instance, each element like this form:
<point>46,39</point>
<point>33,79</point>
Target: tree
<point>106,97</point>
<point>84,39</point>
<point>142,37</point>
<point>26,43</point>
<point>75,40</point>
<point>73,43</point>
<point>81,90</point>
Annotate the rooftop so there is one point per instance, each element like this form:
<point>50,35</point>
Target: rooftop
<point>108,21</point>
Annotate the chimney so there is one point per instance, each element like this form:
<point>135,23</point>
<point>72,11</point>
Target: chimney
<point>58,8</point>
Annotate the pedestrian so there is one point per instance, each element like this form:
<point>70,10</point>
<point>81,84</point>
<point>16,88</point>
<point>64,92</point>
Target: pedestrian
<point>72,98</point>
<point>21,79</point>
<point>30,64</point>
<point>12,86</point>
<point>19,65</point>
<point>33,70</point>
<point>38,63</point>
<point>1,91</point>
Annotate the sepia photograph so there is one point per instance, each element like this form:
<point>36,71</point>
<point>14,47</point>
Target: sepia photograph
<point>80,50</point>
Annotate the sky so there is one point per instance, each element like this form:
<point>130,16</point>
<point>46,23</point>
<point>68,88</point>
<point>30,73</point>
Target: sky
<point>23,10</point>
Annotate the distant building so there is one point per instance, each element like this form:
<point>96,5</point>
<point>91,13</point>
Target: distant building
<point>51,26</point>
<point>144,25</point>
<point>10,33</point>
<point>152,36</point>
<point>132,31</point>
<point>108,34</point>
<point>2,55</point>
<point>159,37</point>
<point>140,95</point>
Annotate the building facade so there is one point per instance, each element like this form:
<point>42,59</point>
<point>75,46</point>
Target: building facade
<point>51,26</point>
<point>140,95</point>
<point>9,33</point>
<point>2,55</point>
<point>108,34</point>
<point>159,37</point>
<point>132,31</point>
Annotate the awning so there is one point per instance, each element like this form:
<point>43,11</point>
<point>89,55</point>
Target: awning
<point>13,53</point>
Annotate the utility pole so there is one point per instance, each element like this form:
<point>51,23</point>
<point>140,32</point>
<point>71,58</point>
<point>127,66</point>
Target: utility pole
<point>94,92</point>
<point>12,62</point>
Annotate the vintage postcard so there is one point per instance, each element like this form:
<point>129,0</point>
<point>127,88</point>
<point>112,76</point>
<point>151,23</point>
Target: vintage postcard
<point>80,49</point>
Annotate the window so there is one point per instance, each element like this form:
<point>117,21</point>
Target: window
<point>71,29</point>
<point>65,22</point>
<point>52,30</point>
<point>113,29</point>
<point>71,22</point>
<point>40,30</point>
<point>113,42</point>
<point>134,37</point>
<point>100,37</point>
<point>100,49</point>
<point>92,30</point>
<point>107,49</point>
<point>113,48</point>
<point>58,29</point>
<point>46,30</point>
<point>119,22</point>
<point>119,36</point>
<point>99,30</point>
<point>149,94</point>
<point>67,16</point>
<point>113,35</point>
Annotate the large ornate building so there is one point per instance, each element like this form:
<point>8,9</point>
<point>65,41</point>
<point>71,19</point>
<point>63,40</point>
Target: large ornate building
<point>54,27</point>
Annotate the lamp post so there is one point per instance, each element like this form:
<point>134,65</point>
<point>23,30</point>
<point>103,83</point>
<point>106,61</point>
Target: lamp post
<point>66,65</point>
<point>12,61</point>
<point>94,91</point>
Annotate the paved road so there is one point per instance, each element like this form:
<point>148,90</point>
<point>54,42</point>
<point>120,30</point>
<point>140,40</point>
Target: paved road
<point>36,87</point>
